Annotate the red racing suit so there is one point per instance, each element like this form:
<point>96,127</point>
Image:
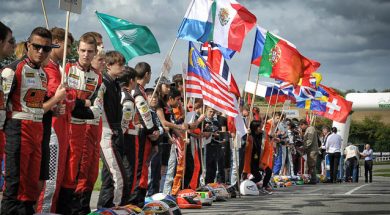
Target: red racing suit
<point>24,86</point>
<point>58,143</point>
<point>84,83</point>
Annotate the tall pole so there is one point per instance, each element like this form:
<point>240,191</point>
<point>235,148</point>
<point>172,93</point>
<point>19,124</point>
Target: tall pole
<point>249,76</point>
<point>253,102</point>
<point>186,133</point>
<point>202,156</point>
<point>44,13</point>
<point>162,67</point>
<point>237,160</point>
<point>65,47</point>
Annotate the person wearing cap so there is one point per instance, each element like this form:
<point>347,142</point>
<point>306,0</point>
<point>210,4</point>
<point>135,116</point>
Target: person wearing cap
<point>166,102</point>
<point>25,91</point>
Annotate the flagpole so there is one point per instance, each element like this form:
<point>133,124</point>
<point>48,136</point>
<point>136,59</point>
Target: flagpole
<point>65,46</point>
<point>162,71</point>
<point>237,161</point>
<point>202,157</point>
<point>266,113</point>
<point>249,76</point>
<point>253,102</point>
<point>273,114</point>
<point>186,135</point>
<point>44,13</point>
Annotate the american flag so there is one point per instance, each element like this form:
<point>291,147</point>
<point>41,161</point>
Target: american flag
<point>215,57</point>
<point>201,83</point>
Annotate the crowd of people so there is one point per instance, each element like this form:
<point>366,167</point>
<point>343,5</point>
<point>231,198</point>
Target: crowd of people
<point>56,124</point>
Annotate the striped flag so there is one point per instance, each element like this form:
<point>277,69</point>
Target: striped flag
<point>214,56</point>
<point>201,83</point>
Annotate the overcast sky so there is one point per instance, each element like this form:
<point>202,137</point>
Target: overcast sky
<point>350,38</point>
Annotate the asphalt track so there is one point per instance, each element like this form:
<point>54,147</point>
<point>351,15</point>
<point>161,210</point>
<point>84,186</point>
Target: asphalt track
<point>345,198</point>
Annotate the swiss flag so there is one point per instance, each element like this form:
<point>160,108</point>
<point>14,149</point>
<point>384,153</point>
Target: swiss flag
<point>337,108</point>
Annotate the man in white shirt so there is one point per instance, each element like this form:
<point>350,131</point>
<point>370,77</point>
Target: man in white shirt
<point>351,161</point>
<point>333,149</point>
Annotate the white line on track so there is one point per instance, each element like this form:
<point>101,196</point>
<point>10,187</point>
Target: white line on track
<point>355,189</point>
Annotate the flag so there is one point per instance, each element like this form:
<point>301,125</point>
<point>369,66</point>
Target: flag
<point>217,64</point>
<point>258,45</point>
<point>312,104</point>
<point>274,95</point>
<point>231,23</point>
<point>202,83</point>
<point>337,108</point>
<point>197,24</point>
<point>128,38</point>
<point>281,60</point>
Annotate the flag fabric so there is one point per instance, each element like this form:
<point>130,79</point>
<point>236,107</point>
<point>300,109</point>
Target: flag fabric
<point>216,62</point>
<point>231,23</point>
<point>337,108</point>
<point>274,95</point>
<point>197,23</point>
<point>202,83</point>
<point>312,104</point>
<point>281,60</point>
<point>128,38</point>
<point>258,45</point>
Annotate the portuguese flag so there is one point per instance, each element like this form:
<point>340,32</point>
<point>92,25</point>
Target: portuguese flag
<point>281,60</point>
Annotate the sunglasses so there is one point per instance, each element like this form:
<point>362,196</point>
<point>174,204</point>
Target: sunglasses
<point>39,47</point>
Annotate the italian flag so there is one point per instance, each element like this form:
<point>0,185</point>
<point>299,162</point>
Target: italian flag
<point>281,60</point>
<point>232,22</point>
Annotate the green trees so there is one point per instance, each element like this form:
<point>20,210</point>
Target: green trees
<point>372,131</point>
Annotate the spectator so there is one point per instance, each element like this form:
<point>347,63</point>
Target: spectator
<point>310,144</point>
<point>20,50</point>
<point>351,162</point>
<point>368,163</point>
<point>333,148</point>
<point>7,42</point>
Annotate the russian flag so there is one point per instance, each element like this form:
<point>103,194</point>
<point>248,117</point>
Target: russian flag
<point>258,46</point>
<point>197,22</point>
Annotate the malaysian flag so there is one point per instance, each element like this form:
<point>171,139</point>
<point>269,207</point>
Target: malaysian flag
<point>201,83</point>
<point>215,57</point>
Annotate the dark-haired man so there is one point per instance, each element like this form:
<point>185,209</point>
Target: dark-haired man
<point>7,42</point>
<point>148,132</point>
<point>55,135</point>
<point>310,144</point>
<point>25,89</point>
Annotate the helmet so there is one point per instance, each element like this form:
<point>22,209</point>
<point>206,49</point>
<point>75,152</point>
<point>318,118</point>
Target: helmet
<point>156,207</point>
<point>173,208</point>
<point>205,197</point>
<point>249,188</point>
<point>220,191</point>
<point>128,209</point>
<point>207,188</point>
<point>188,198</point>
<point>161,196</point>
<point>231,190</point>
<point>103,211</point>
